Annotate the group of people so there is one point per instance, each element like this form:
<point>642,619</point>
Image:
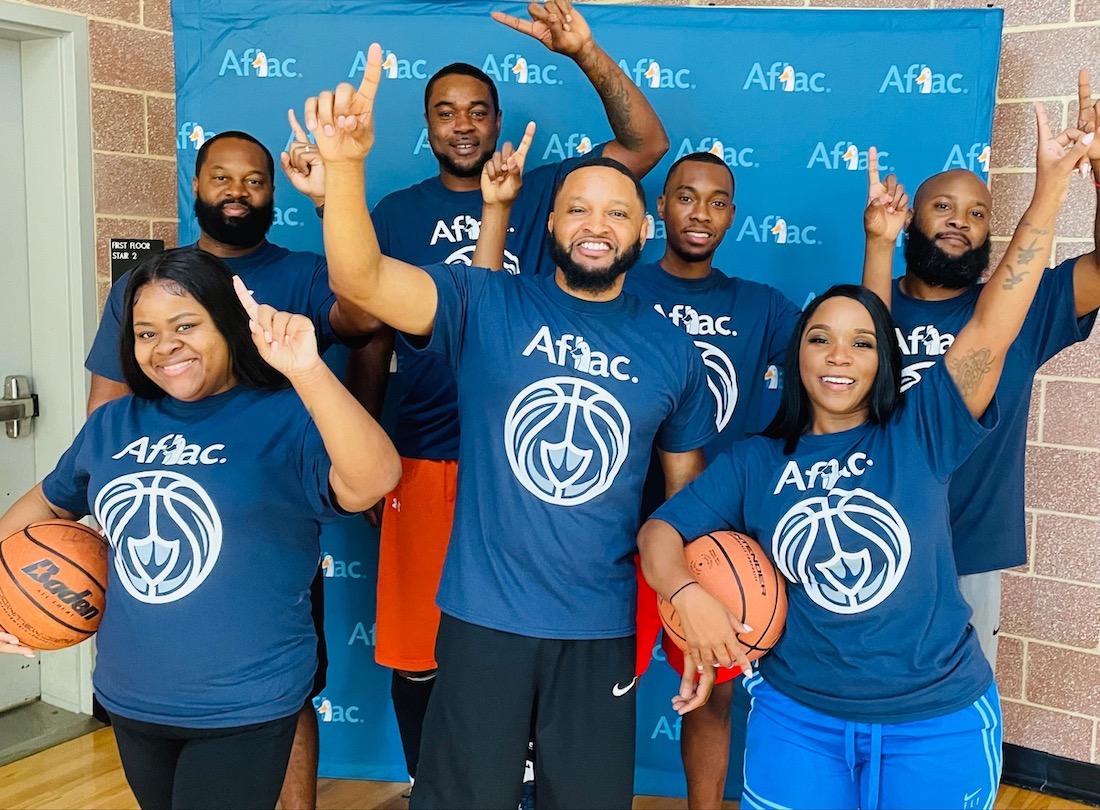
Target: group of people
<point>558,421</point>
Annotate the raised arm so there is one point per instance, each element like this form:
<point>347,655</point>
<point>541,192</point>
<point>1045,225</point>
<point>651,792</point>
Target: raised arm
<point>501,180</point>
<point>1086,273</point>
<point>399,294</point>
<point>886,214</point>
<point>640,139</point>
<point>976,358</point>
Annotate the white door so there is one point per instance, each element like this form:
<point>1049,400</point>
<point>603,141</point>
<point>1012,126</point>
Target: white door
<point>19,677</point>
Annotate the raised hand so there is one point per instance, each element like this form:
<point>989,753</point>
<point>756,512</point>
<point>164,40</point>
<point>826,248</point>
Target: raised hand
<point>285,341</point>
<point>887,203</point>
<point>1058,156</point>
<point>303,163</point>
<point>1088,117</point>
<point>502,175</point>
<point>342,121</point>
<point>555,23</point>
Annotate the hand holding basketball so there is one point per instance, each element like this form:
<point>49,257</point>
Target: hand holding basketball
<point>342,120</point>
<point>285,341</point>
<point>10,644</point>
<point>710,630</point>
<point>502,175</point>
<point>887,203</point>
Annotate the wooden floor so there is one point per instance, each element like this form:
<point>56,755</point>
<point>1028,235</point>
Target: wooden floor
<point>85,773</point>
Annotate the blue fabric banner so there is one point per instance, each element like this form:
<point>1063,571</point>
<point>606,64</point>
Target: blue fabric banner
<point>791,99</point>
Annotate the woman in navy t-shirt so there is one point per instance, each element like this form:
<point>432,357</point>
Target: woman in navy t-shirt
<point>878,694</point>
<point>211,483</point>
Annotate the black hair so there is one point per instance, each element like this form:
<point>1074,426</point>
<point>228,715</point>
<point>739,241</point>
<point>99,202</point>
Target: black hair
<point>795,412</point>
<point>699,157</point>
<point>610,163</point>
<point>200,158</point>
<point>209,281</point>
<point>461,69</point>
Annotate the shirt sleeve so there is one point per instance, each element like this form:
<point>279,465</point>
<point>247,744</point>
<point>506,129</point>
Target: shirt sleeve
<point>456,286</point>
<point>944,429</point>
<point>784,318</point>
<point>1052,323</point>
<point>381,221</point>
<point>103,358</point>
<point>713,501</point>
<point>67,485</point>
<point>321,301</point>
<point>691,423</point>
<point>314,468</point>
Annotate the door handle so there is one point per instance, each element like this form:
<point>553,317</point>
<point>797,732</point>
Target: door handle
<point>17,406</point>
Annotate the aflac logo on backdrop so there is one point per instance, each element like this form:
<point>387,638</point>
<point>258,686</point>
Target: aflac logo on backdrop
<point>783,76</point>
<point>777,229</point>
<point>393,67</point>
<point>339,569</point>
<point>515,67</point>
<point>192,135</point>
<point>975,158</point>
<point>843,155</point>
<point>330,712</point>
<point>647,72</point>
<point>654,228</point>
<point>572,145</point>
<point>736,158</point>
<point>922,80</point>
<point>257,62</point>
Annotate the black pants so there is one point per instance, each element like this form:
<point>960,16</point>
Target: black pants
<point>490,684</point>
<point>172,768</point>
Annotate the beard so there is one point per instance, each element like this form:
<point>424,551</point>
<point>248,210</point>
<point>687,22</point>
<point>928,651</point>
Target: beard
<point>242,232</point>
<point>928,262</point>
<point>474,170</point>
<point>591,281</point>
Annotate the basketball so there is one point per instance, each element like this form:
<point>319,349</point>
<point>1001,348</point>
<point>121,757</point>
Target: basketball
<point>732,568</point>
<point>52,580</point>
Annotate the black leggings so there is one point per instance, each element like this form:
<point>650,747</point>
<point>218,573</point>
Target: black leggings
<point>172,768</point>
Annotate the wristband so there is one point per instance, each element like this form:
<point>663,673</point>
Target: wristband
<point>686,584</point>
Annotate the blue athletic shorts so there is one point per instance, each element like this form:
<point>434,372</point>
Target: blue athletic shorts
<point>798,758</point>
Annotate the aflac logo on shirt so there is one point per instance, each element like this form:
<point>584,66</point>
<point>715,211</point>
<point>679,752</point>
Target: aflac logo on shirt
<point>257,62</point>
<point>721,375</point>
<point>843,155</point>
<point>330,712</point>
<point>736,158</point>
<point>572,145</point>
<point>776,229</point>
<point>333,568</point>
<point>784,77</point>
<point>647,72</point>
<point>922,340</point>
<point>921,80</point>
<point>974,158</point>
<point>515,67</point>
<point>192,135</point>
<point>393,67</point>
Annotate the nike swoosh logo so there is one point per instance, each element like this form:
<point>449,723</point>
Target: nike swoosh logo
<point>973,795</point>
<point>619,691</point>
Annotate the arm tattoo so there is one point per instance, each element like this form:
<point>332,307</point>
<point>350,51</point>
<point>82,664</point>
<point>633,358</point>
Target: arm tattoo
<point>970,369</point>
<point>609,82</point>
<point>1028,254</point>
<point>1014,278</point>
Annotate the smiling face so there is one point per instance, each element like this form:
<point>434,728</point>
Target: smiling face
<point>838,361</point>
<point>177,345</point>
<point>234,193</point>
<point>697,208</point>
<point>463,125</point>
<point>952,210</point>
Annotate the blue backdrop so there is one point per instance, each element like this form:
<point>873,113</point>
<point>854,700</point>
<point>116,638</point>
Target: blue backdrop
<point>791,99</point>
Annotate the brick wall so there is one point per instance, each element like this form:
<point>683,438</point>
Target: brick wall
<point>1050,651</point>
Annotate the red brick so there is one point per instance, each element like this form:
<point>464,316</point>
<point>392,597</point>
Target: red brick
<point>135,186</point>
<point>157,14</point>
<point>1010,667</point>
<point>1054,732</point>
<point>1063,481</point>
<point>1048,610</point>
<point>1035,64</point>
<point>168,230</point>
<point>1033,413</point>
<point>1011,196</point>
<point>131,57</point>
<point>161,116</point>
<point>1066,548</point>
<point>1071,415</point>
<point>1070,249</point>
<point>118,121</point>
<point>1086,10</point>
<point>1079,360</point>
<point>1014,133</point>
<point>124,10</point>
<point>1063,679</point>
<point>1019,12</point>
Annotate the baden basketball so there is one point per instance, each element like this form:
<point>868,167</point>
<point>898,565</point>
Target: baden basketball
<point>52,579</point>
<point>732,568</point>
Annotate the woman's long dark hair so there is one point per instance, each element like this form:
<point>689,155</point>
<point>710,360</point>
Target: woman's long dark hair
<point>206,279</point>
<point>795,411</point>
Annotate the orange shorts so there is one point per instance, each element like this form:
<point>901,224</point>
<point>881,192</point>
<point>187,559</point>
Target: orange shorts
<point>416,527</point>
<point>649,626</point>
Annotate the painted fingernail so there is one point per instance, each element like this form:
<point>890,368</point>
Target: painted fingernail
<point>330,130</point>
<point>1088,137</point>
<point>748,629</point>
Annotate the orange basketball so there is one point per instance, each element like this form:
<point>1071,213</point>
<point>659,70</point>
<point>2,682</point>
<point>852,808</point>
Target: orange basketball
<point>732,568</point>
<point>52,580</point>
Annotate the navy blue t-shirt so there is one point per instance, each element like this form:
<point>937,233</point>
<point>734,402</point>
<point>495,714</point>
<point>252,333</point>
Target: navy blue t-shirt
<point>212,510</point>
<point>560,402</point>
<point>987,511</point>
<point>291,281</point>
<point>426,224</point>
<point>741,329</point>
<point>856,522</point>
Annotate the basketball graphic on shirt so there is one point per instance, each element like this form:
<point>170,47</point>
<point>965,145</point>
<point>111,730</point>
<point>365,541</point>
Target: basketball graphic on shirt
<point>466,256</point>
<point>722,381</point>
<point>566,439</point>
<point>165,531</point>
<point>848,549</point>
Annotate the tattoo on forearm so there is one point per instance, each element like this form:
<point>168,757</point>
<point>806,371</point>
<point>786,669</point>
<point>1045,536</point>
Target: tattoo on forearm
<point>610,83</point>
<point>970,369</point>
<point>1027,254</point>
<point>1014,278</point>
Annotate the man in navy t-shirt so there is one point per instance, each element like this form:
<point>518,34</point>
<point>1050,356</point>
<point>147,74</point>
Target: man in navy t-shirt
<point>438,220</point>
<point>946,252</point>
<point>564,384</point>
<point>741,329</point>
<point>234,204</point>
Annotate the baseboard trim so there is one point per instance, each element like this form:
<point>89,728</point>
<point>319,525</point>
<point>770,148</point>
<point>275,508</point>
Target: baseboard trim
<point>1051,774</point>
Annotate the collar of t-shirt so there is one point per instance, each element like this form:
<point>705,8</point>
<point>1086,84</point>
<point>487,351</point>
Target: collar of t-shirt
<point>196,409</point>
<point>657,272</point>
<point>967,296</point>
<point>265,253</point>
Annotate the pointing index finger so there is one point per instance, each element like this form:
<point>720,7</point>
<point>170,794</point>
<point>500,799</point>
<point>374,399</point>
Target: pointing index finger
<point>872,168</point>
<point>295,127</point>
<point>525,143</point>
<point>372,74</point>
<point>1084,96</point>
<point>245,297</point>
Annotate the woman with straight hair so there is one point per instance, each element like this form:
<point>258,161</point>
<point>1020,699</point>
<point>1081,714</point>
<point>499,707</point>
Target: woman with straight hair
<point>877,694</point>
<point>211,482</point>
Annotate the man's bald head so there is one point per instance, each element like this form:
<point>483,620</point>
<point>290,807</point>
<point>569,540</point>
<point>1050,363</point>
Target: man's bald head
<point>955,182</point>
<point>947,242</point>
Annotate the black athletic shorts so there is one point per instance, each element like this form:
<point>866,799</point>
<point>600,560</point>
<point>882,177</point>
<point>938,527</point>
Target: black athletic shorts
<point>317,604</point>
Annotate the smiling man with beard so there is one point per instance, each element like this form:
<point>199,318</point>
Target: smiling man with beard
<point>947,251</point>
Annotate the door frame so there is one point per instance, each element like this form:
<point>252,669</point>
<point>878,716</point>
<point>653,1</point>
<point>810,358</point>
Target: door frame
<point>61,258</point>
